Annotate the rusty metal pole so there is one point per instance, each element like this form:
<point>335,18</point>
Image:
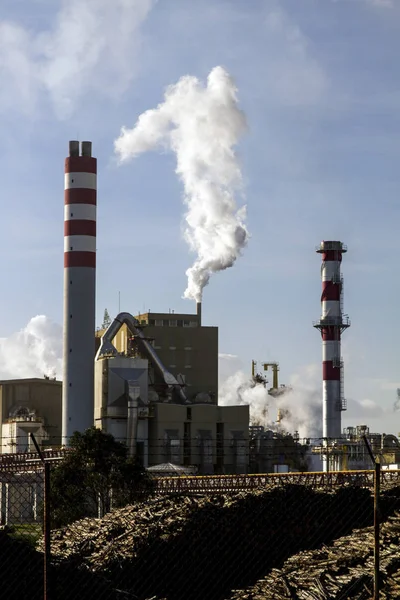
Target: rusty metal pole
<point>377,488</point>
<point>46,532</point>
<point>46,521</point>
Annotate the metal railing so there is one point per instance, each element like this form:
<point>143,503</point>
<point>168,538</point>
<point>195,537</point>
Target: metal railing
<point>232,483</point>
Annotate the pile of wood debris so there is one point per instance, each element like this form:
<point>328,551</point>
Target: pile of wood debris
<point>95,543</point>
<point>205,546</point>
<point>341,571</point>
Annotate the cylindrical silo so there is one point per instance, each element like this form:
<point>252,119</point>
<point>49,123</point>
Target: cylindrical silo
<point>331,324</point>
<point>79,289</point>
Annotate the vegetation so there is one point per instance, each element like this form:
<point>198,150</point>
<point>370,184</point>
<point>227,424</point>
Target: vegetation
<point>106,320</point>
<point>94,477</point>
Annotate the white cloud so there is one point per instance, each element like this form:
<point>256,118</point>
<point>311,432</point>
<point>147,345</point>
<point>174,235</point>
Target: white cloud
<point>91,47</point>
<point>381,3</point>
<point>374,3</point>
<point>295,75</point>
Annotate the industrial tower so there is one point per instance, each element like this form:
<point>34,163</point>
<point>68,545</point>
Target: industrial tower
<point>79,289</point>
<point>331,325</point>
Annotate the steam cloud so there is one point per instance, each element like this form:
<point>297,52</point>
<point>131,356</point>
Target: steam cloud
<point>34,351</point>
<point>202,125</point>
<point>300,405</point>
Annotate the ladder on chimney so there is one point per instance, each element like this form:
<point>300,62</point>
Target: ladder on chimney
<point>341,402</point>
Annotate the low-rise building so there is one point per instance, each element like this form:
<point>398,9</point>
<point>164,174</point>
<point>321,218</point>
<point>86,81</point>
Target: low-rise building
<point>30,406</point>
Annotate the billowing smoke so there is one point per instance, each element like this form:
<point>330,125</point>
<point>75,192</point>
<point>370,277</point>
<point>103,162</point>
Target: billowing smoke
<point>300,405</point>
<point>202,125</point>
<point>34,351</point>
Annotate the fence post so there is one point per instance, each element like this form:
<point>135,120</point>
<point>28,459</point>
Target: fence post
<point>377,486</point>
<point>377,489</point>
<point>46,532</point>
<point>46,521</point>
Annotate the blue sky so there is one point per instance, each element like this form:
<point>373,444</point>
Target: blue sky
<point>320,85</point>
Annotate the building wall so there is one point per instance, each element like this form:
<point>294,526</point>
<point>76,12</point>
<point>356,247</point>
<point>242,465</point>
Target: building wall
<point>213,438</point>
<point>41,395</point>
<point>111,398</point>
<point>183,346</point>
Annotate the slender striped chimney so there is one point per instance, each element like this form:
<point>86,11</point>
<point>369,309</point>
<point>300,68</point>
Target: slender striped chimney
<point>79,289</point>
<point>331,325</point>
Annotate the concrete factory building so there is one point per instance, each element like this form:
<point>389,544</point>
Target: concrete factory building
<point>30,406</point>
<point>187,348</point>
<point>142,397</point>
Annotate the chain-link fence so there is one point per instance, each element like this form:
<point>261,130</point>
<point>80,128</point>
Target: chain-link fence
<point>21,501</point>
<point>307,540</point>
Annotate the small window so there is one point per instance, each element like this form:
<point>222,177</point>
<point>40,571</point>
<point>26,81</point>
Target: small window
<point>186,323</point>
<point>188,366</point>
<point>165,323</point>
<point>173,323</point>
<point>72,214</point>
<point>188,414</point>
<point>152,322</point>
<point>159,323</point>
<point>188,347</point>
<point>193,323</point>
<point>172,347</point>
<point>180,323</point>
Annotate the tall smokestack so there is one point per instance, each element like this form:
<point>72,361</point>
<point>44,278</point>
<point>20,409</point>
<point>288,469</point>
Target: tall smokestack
<point>79,289</point>
<point>331,325</point>
<point>198,307</point>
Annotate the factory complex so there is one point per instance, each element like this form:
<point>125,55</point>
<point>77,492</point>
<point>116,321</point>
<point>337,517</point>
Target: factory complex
<point>151,380</point>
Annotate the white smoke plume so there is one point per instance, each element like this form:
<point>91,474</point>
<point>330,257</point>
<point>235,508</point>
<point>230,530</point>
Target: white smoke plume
<point>300,405</point>
<point>34,351</point>
<point>202,125</point>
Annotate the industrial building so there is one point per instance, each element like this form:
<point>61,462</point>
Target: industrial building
<point>162,416</point>
<point>184,345</point>
<point>30,406</point>
<point>152,380</point>
<point>350,452</point>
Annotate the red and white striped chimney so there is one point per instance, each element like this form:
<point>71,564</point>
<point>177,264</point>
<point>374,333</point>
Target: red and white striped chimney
<point>331,325</point>
<point>79,289</point>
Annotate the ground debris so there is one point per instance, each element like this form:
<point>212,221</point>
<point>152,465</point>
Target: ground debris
<point>270,543</point>
<point>341,571</point>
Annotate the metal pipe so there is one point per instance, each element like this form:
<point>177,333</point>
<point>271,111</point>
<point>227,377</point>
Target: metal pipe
<point>377,484</point>
<point>198,307</point>
<point>132,421</point>
<point>46,521</point>
<point>46,531</point>
<point>108,349</point>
